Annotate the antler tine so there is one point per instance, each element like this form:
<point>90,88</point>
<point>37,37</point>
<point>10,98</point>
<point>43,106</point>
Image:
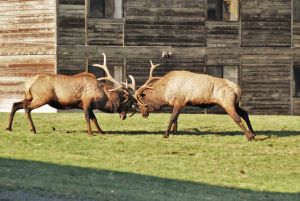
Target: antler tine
<point>132,84</point>
<point>104,59</point>
<point>108,75</point>
<point>152,69</point>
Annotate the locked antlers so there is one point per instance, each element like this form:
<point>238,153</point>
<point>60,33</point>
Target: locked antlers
<point>145,86</point>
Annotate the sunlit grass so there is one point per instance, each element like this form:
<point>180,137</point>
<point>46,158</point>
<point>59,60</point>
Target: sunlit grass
<point>210,151</point>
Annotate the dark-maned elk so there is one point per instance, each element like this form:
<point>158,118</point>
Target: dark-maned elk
<point>81,91</point>
<point>182,88</point>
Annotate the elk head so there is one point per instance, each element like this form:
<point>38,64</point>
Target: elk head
<point>123,90</point>
<point>140,96</point>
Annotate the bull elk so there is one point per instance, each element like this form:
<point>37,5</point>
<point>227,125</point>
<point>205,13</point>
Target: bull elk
<point>182,88</point>
<point>80,91</point>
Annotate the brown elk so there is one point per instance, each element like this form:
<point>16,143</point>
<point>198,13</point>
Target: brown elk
<point>182,88</point>
<point>81,91</point>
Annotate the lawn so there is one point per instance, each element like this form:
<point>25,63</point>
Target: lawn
<point>209,159</point>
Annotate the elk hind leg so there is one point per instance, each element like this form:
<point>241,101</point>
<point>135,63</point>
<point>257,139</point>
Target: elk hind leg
<point>233,114</point>
<point>94,119</point>
<point>28,114</point>
<point>174,127</point>
<point>173,119</point>
<point>244,114</point>
<point>35,103</point>
<point>16,106</point>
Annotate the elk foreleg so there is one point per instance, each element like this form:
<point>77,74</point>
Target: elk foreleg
<point>94,119</point>
<point>243,113</point>
<point>233,114</point>
<point>173,119</point>
<point>16,106</point>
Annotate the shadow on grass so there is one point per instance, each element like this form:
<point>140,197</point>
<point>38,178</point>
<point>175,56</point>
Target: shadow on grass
<point>196,131</point>
<point>260,135</point>
<point>29,180</point>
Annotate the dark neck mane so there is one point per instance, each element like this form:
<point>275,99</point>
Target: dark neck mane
<point>154,99</point>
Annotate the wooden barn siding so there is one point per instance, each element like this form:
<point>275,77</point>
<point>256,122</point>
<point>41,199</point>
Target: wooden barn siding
<point>105,32</point>
<point>222,34</point>
<point>296,106</point>
<point>27,45</point>
<point>71,32</point>
<point>296,34</point>
<point>266,23</point>
<point>71,22</point>
<point>266,82</point>
<point>27,27</point>
<point>166,22</point>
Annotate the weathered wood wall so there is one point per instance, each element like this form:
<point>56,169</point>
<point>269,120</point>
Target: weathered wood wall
<point>166,22</point>
<point>71,22</point>
<point>105,32</point>
<point>266,23</point>
<point>265,82</point>
<point>27,45</point>
<point>222,34</point>
<point>296,34</point>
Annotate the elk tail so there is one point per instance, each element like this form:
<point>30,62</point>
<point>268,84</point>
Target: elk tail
<point>237,91</point>
<point>28,85</point>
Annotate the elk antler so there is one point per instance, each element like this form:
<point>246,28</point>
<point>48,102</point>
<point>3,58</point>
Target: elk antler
<point>108,75</point>
<point>131,85</point>
<point>144,86</point>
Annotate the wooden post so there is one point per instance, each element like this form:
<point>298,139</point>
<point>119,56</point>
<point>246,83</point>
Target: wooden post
<point>86,34</point>
<point>118,75</point>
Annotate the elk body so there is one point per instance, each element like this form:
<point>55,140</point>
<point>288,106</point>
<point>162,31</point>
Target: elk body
<point>182,88</point>
<point>81,91</point>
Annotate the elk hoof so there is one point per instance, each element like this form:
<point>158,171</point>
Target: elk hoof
<point>165,136</point>
<point>33,130</point>
<point>251,138</point>
<point>8,129</point>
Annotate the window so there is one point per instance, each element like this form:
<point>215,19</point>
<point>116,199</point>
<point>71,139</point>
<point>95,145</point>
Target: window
<point>296,10</point>
<point>231,73</point>
<point>216,71</point>
<point>297,81</point>
<point>223,10</point>
<point>227,72</point>
<point>110,9</point>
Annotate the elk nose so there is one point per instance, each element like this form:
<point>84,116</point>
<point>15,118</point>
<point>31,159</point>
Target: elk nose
<point>145,115</point>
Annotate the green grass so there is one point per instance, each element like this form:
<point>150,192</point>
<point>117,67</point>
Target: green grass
<point>209,159</point>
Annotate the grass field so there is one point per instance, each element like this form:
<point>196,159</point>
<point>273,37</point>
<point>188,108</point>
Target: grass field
<point>209,159</point>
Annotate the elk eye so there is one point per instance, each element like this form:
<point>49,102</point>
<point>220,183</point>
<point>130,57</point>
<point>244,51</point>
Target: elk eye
<point>143,95</point>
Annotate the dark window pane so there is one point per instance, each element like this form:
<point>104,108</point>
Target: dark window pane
<point>110,9</point>
<point>296,10</point>
<point>97,8</point>
<point>297,81</point>
<point>216,71</point>
<point>214,9</point>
